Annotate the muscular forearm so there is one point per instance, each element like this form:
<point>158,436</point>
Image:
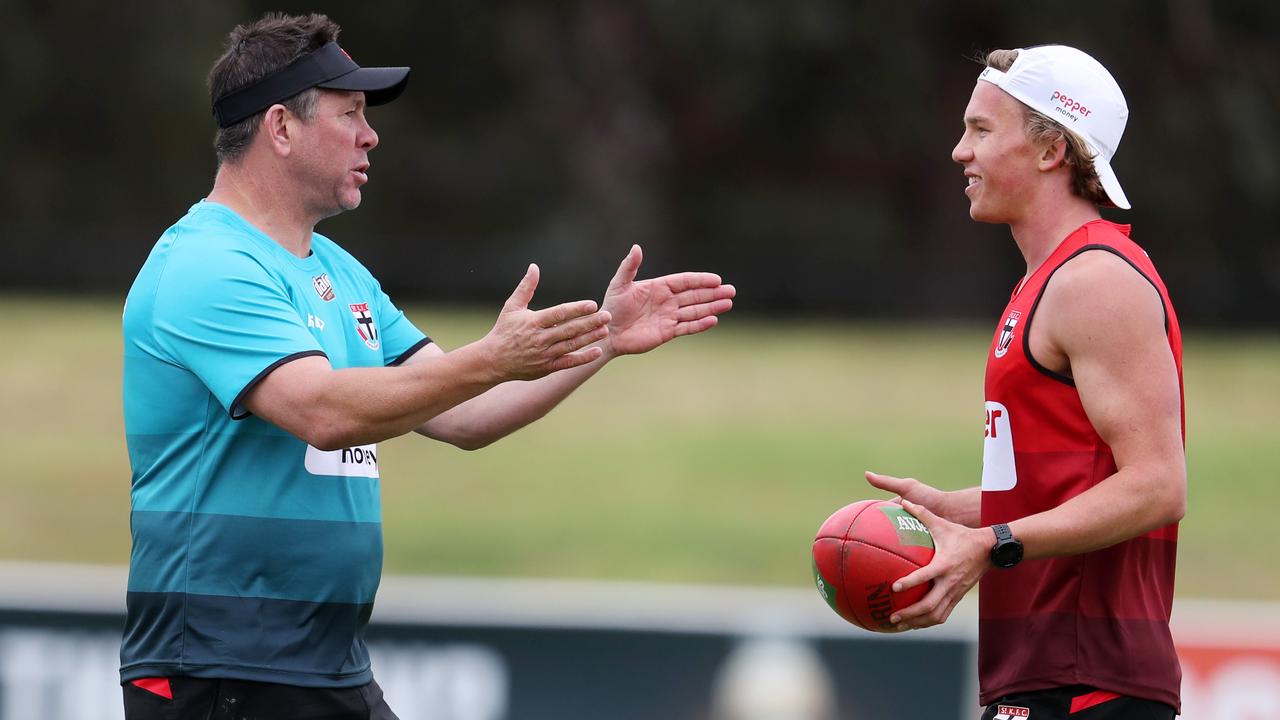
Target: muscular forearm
<point>506,408</point>
<point>365,405</point>
<point>963,507</point>
<point>1132,502</point>
<point>332,409</point>
<point>1107,325</point>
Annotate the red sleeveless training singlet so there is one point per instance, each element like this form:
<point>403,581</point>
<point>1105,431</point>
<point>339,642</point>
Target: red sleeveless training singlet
<point>1100,618</point>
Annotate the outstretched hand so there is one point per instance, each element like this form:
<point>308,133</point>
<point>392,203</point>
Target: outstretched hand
<point>961,558</point>
<point>909,489</point>
<point>649,313</point>
<point>528,344</point>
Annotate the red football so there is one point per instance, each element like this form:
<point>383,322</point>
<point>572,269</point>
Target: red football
<point>860,551</point>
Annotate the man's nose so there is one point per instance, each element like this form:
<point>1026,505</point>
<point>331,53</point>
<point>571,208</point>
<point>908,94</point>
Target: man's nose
<point>369,139</point>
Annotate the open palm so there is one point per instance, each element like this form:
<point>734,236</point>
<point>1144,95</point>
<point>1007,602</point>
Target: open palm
<point>648,313</point>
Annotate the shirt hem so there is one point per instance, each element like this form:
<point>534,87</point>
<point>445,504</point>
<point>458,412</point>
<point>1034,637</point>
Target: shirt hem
<point>1144,692</point>
<point>251,674</point>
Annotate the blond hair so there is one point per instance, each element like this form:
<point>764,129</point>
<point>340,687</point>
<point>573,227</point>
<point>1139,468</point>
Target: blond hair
<point>1042,131</point>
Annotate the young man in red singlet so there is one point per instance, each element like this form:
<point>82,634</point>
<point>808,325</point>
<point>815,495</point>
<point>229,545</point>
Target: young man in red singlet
<point>1073,531</point>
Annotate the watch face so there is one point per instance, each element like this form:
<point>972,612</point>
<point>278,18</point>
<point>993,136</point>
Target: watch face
<point>1007,554</point>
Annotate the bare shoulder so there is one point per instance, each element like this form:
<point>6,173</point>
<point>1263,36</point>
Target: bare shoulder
<point>1100,285</point>
<point>1104,275</point>
<point>1098,302</point>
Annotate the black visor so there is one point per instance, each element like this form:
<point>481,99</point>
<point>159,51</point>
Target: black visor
<point>329,67</point>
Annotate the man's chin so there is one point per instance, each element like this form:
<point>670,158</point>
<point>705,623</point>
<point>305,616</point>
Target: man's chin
<point>343,204</point>
<point>350,201</point>
<point>983,215</point>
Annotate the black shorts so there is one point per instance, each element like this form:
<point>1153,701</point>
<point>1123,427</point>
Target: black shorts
<point>1075,702</point>
<point>236,699</point>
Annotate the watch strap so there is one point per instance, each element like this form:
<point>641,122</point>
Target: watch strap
<point>1003,533</point>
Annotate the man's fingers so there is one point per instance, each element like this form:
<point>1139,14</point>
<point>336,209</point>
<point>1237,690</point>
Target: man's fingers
<point>573,344</point>
<point>693,327</point>
<point>951,601</point>
<point>919,576</point>
<point>681,282</point>
<point>574,359</point>
<point>523,294</point>
<point>932,609</point>
<point>698,296</point>
<point>576,328</point>
<point>690,313</point>
<point>896,485</point>
<point>922,513</point>
<point>563,313</point>
<point>925,605</point>
<point>628,268</point>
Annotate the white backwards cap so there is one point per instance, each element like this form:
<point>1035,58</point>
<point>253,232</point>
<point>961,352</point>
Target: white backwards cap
<point>1077,92</point>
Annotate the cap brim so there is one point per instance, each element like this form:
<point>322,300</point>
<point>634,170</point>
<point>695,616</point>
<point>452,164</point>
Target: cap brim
<point>380,85</point>
<point>1111,184</point>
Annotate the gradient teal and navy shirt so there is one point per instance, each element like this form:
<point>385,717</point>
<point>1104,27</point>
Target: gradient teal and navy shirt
<point>255,556</point>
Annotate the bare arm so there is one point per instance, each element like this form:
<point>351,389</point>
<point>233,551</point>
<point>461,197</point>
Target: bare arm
<point>503,409</point>
<point>1104,324</point>
<point>331,409</point>
<point>1108,322</point>
<point>643,315</point>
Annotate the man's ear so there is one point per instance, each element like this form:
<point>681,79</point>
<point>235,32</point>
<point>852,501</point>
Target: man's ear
<point>275,129</point>
<point>1054,155</point>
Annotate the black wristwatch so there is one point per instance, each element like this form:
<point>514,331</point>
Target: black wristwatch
<point>1007,551</point>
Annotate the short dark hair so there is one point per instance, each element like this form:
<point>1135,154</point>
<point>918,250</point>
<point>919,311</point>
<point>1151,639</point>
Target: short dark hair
<point>254,51</point>
<point>1043,131</point>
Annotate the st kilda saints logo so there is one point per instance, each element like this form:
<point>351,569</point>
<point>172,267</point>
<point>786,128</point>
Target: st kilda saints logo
<point>365,325</point>
<point>1011,712</point>
<point>323,287</point>
<point>1006,333</point>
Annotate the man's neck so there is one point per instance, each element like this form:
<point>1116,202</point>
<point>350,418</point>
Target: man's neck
<point>1039,232</point>
<point>258,198</point>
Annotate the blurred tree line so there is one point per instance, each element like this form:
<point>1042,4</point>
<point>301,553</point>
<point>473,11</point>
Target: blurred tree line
<point>800,148</point>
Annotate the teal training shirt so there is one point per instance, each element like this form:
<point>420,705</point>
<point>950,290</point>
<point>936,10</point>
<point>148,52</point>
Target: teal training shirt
<point>255,556</point>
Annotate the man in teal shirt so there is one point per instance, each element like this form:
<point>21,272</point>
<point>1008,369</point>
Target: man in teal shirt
<point>263,364</point>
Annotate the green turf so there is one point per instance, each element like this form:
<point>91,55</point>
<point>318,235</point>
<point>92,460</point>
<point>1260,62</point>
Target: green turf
<point>712,460</point>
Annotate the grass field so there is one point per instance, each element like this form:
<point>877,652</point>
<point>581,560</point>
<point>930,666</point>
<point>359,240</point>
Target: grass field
<point>712,460</point>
